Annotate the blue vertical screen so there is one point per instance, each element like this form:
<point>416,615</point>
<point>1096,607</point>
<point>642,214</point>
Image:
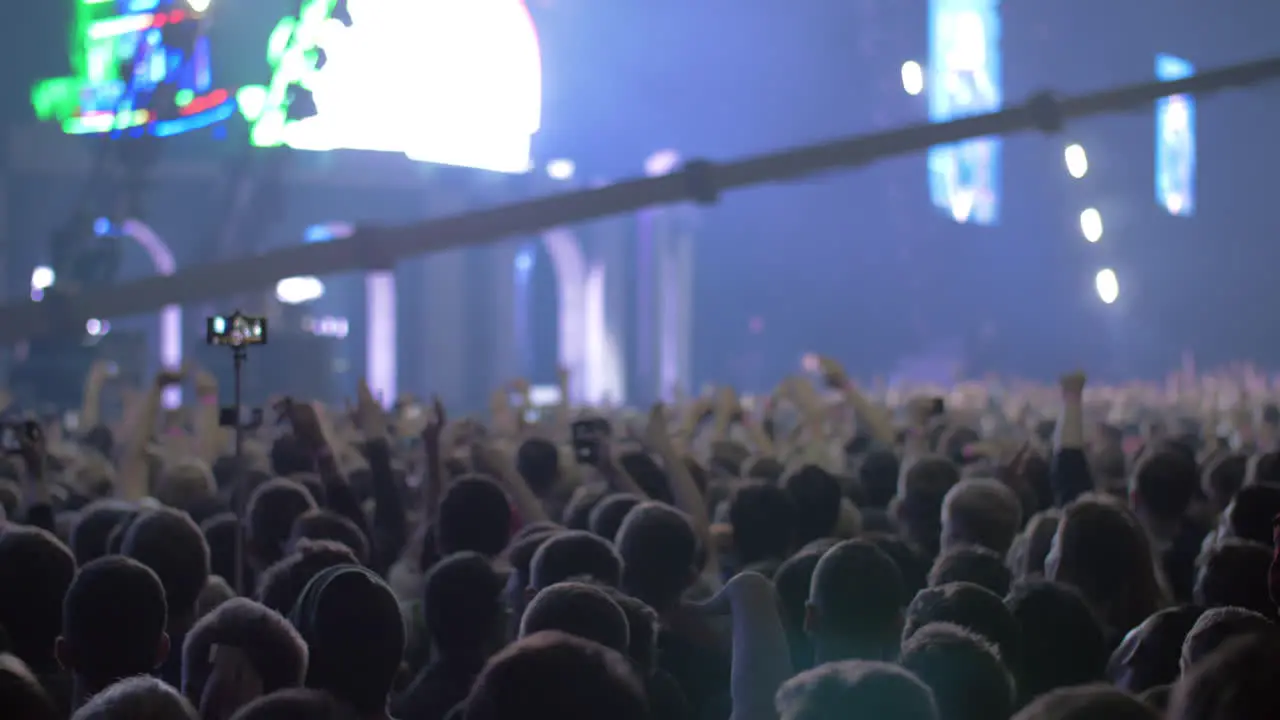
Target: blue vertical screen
<point>1175,141</point>
<point>965,79</point>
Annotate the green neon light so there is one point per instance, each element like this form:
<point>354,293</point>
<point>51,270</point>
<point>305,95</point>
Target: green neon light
<point>184,97</point>
<point>293,52</point>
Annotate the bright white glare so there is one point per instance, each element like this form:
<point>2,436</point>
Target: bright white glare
<point>454,83</point>
<point>298,290</point>
<point>663,162</point>
<point>198,6</point>
<point>96,327</point>
<point>560,169</point>
<point>1077,160</point>
<point>1107,284</point>
<point>327,326</point>
<point>912,77</point>
<point>1091,224</point>
<point>42,278</point>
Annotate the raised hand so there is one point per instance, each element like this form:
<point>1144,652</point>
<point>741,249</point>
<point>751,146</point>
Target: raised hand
<point>369,415</point>
<point>832,372</point>
<point>433,431</point>
<point>1072,384</point>
<point>657,433</point>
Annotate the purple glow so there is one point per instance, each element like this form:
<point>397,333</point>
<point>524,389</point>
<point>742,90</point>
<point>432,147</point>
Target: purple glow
<point>570,268</point>
<point>662,162</point>
<point>380,343</point>
<point>170,315</point>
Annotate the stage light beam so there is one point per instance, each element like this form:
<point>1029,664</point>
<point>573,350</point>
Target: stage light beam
<point>912,77</point>
<point>1108,285</point>
<point>1091,224</point>
<point>1077,161</point>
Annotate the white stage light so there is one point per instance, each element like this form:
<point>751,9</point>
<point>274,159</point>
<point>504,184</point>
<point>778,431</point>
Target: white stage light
<point>1077,161</point>
<point>912,77</point>
<point>560,169</point>
<point>1108,285</point>
<point>298,290</point>
<point>42,278</point>
<point>1091,224</point>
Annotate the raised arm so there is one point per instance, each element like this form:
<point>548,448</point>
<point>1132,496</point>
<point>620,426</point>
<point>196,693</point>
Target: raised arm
<point>684,491</point>
<point>1069,474</point>
<point>390,524</point>
<point>868,414</point>
<point>761,658</point>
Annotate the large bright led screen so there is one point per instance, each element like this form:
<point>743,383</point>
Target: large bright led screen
<point>965,79</point>
<point>1175,141</point>
<point>456,82</point>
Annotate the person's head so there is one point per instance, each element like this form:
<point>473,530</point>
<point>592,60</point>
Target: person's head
<point>352,626</point>
<point>913,566</point>
<point>169,542</point>
<point>520,556</point>
<point>855,689</point>
<point>216,591</point>
<point>659,551</point>
<point>1216,626</point>
<point>1163,485</point>
<point>272,646</point>
<point>272,508</point>
<point>1236,682</point>
<point>1151,654</point>
<point>792,581</point>
<point>35,572</point>
<point>224,534</point>
<point>982,512</point>
<point>964,671</point>
<point>1249,515</point>
<point>972,563</point>
<point>1234,573</point>
<point>136,698</point>
<point>1031,547</point>
<point>295,704</point>
<point>815,498</point>
<point>1102,550</point>
<point>1222,479</point>
<point>538,462</point>
<point>642,630</point>
<point>113,622</point>
<point>1087,702</point>
<point>474,515</point>
<point>582,502</point>
<point>1062,642</point>
<point>573,554</point>
<point>918,503</point>
<point>855,604</point>
<point>281,584</point>
<point>607,516</point>
<point>975,609</point>
<point>581,610</point>
<point>88,539</point>
<point>528,680</point>
<point>21,694</point>
<point>186,485</point>
<point>763,520</point>
<point>463,606</point>
<point>878,478</point>
<point>329,525</point>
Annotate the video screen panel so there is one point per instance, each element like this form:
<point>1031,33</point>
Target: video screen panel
<point>965,80</point>
<point>1175,141</point>
<point>456,82</point>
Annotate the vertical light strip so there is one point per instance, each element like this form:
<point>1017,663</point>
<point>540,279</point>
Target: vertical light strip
<point>380,334</point>
<point>570,270</point>
<point>170,334</point>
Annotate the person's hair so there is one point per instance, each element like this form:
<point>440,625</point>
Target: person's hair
<point>88,540</point>
<point>295,704</point>
<point>474,515</point>
<point>113,618</point>
<point>972,563</point>
<point>21,694</point>
<point>765,468</point>
<point>352,625</point>
<point>1236,682</point>
<point>186,485</point>
<point>321,524</point>
<point>520,557</point>
<point>271,644</point>
<point>35,572</point>
<point>964,671</point>
<point>1087,702</point>
<point>1216,626</point>
<point>918,503</point>
<point>1234,572</point>
<point>224,533</point>
<point>169,542</point>
<point>763,520</point>
<point>1250,514</point>
<point>973,608</point>
<point>1151,653</point>
<point>792,580</point>
<point>272,508</point>
<point>581,610</point>
<point>1062,642</point>
<point>115,538</point>
<point>913,566</point>
<point>538,462</point>
<point>1031,547</point>
<point>983,512</point>
<point>574,553</point>
<point>280,585</point>
<point>815,498</point>
<point>608,514</point>
<point>878,478</point>
<point>1164,484</point>
<point>528,680</point>
<point>533,528</point>
<point>289,456</point>
<point>137,698</point>
<point>582,502</point>
<point>857,593</point>
<point>1102,550</point>
<point>216,591</point>
<point>1223,478</point>
<point>659,551</point>
<point>642,629</point>
<point>462,603</point>
<point>855,689</point>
